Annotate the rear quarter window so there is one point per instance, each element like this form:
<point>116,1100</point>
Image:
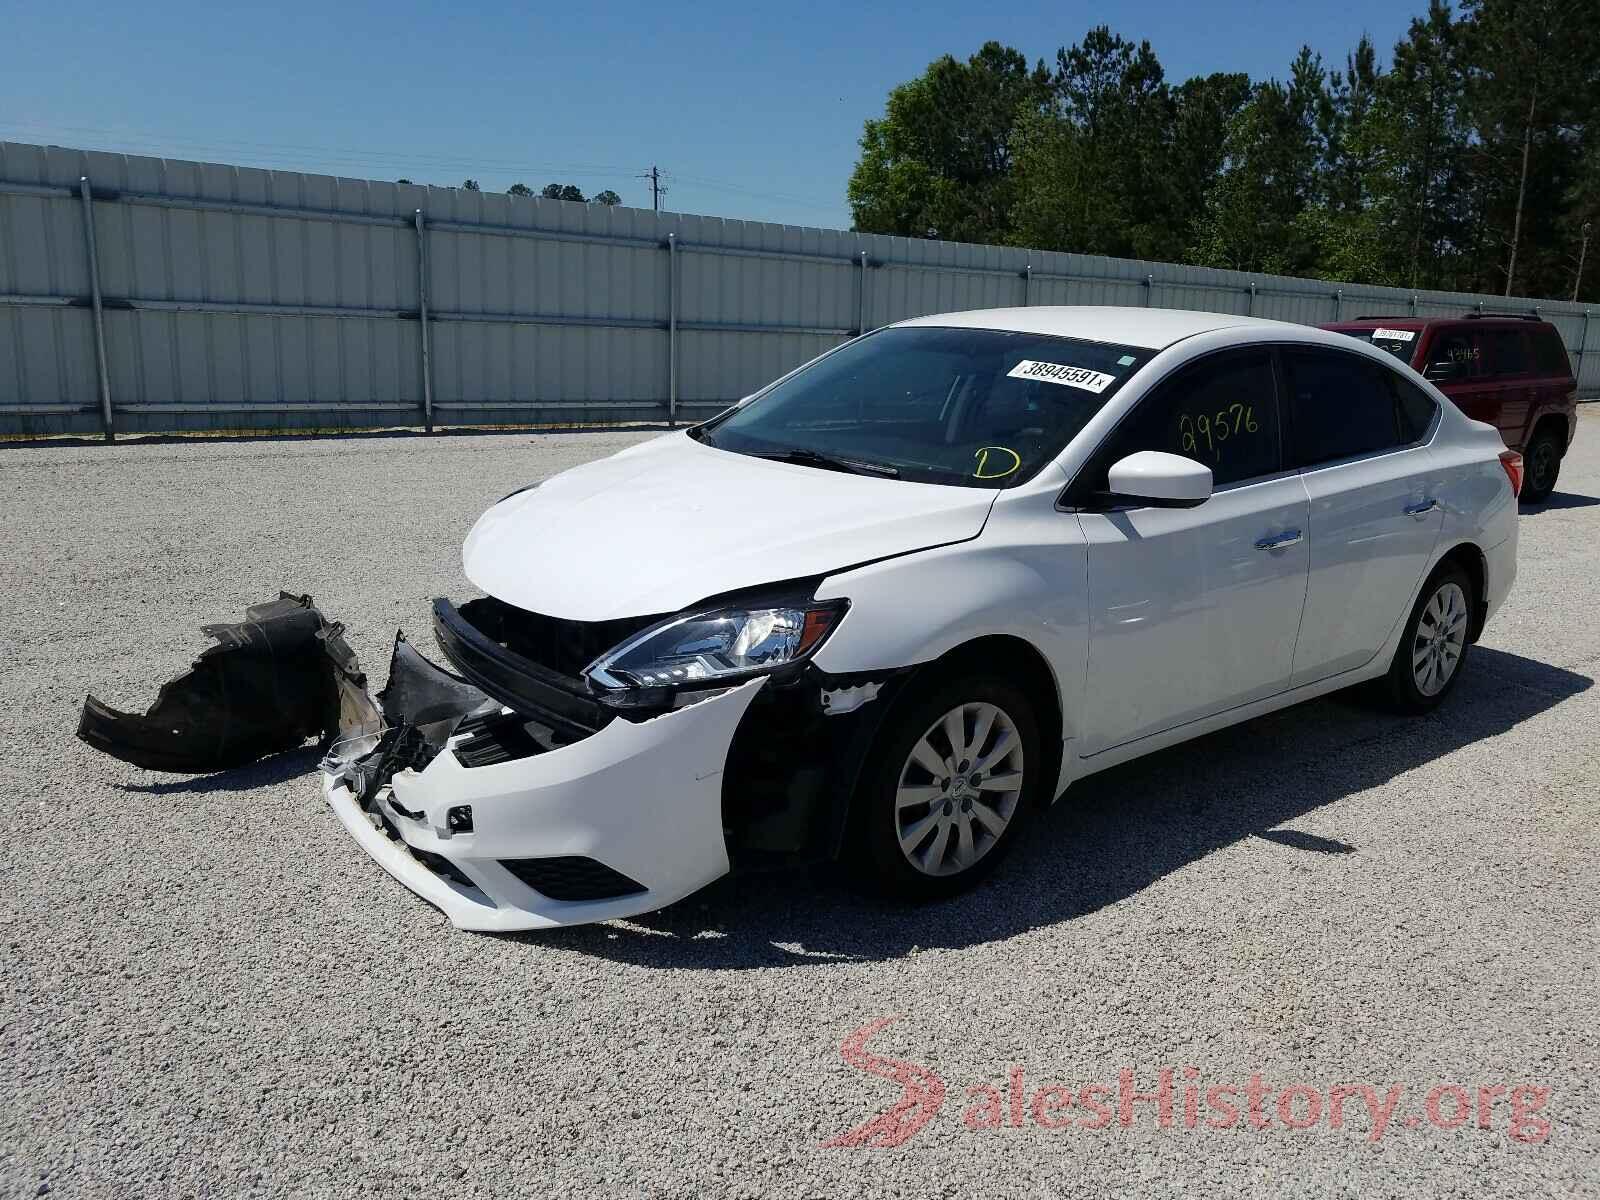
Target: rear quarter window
<point>1342,406</point>
<point>1550,352</point>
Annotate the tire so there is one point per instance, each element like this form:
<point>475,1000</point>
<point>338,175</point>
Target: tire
<point>1434,641</point>
<point>1541,464</point>
<point>957,813</point>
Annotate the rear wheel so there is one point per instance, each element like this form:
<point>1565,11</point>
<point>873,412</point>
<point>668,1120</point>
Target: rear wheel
<point>1541,466</point>
<point>1433,648</point>
<point>952,778</point>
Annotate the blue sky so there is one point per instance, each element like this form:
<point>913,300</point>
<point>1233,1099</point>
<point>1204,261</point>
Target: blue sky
<point>752,110</point>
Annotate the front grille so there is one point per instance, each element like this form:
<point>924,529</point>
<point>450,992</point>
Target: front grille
<point>502,737</point>
<point>565,647</point>
<point>571,877</point>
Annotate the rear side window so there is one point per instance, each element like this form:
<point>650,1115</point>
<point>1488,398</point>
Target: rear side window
<point>1221,411</point>
<point>1414,408</point>
<point>1508,355</point>
<point>1549,351</point>
<point>1341,406</point>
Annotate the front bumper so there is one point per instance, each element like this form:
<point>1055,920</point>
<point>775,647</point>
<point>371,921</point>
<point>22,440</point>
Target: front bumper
<point>642,798</point>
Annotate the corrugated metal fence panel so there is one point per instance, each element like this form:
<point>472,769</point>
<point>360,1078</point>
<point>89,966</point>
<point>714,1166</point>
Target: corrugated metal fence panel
<point>239,297</point>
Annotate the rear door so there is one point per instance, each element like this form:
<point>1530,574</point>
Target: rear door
<point>1356,432</point>
<point>1509,361</point>
<point>1195,610</point>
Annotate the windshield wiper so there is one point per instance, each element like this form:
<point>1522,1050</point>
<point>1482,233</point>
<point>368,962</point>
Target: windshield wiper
<point>831,462</point>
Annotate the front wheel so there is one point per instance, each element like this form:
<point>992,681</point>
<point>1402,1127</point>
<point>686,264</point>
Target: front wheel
<point>1433,648</point>
<point>951,780</point>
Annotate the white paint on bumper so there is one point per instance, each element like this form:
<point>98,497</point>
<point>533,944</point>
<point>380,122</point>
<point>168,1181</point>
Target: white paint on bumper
<point>643,798</point>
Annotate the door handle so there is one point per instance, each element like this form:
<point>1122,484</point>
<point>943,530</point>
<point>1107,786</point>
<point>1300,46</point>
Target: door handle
<point>1279,541</point>
<point>1423,507</point>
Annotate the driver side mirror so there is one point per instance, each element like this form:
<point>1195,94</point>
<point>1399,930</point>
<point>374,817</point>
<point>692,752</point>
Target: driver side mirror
<point>1155,479</point>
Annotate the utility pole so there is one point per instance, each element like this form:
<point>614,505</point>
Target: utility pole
<point>1583,249</point>
<point>656,190</point>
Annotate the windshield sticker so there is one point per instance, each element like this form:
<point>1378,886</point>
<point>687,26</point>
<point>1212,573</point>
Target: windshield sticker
<point>1048,372</point>
<point>1125,361</point>
<point>1393,335</point>
<point>995,462</point>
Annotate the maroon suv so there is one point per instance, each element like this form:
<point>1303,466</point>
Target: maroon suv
<point>1511,372</point>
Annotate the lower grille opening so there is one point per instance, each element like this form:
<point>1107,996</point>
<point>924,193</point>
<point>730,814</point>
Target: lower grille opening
<point>503,737</point>
<point>440,865</point>
<point>571,877</point>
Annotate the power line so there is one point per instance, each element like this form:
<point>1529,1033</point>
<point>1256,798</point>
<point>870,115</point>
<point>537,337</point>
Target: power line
<point>656,189</point>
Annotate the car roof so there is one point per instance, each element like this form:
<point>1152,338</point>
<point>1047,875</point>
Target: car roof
<point>1148,328</point>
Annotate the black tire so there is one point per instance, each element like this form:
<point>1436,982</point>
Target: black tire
<point>1402,687</point>
<point>1541,465</point>
<point>875,853</point>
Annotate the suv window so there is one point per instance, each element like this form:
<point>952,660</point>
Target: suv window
<point>1222,411</point>
<point>1507,354</point>
<point>1549,351</point>
<point>1456,350</point>
<point>1341,406</point>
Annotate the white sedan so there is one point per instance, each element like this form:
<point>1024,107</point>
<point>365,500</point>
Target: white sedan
<point>895,602</point>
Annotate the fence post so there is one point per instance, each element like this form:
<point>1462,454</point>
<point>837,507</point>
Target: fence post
<point>1149,290</point>
<point>1027,284</point>
<point>861,298</point>
<point>1338,305</point>
<point>99,310</point>
<point>672,331</point>
<point>1413,304</point>
<point>422,323</point>
<point>1251,310</point>
<point>1583,349</point>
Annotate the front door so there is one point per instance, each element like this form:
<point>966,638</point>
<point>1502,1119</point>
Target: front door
<point>1195,610</point>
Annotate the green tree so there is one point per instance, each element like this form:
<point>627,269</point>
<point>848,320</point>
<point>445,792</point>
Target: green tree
<point>519,189</point>
<point>469,185</point>
<point>607,197</point>
<point>938,162</point>
<point>562,191</point>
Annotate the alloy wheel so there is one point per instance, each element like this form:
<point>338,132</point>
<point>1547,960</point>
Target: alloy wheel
<point>959,789</point>
<point>1440,635</point>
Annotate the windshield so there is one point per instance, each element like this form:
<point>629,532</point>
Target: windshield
<point>1398,342</point>
<point>976,407</point>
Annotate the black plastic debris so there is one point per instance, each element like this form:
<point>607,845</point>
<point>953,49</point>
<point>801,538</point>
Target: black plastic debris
<point>280,676</point>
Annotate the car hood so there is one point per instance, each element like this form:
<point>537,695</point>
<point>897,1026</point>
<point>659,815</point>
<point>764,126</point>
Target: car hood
<point>670,522</point>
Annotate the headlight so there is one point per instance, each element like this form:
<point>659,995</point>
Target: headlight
<point>714,649</point>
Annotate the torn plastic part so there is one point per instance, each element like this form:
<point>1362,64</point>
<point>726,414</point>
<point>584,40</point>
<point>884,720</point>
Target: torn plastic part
<point>278,677</point>
<point>846,700</point>
<point>422,706</point>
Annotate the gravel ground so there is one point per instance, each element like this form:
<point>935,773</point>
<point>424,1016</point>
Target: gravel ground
<point>208,990</point>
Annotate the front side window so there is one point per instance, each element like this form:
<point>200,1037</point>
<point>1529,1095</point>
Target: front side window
<point>1341,406</point>
<point>1455,354</point>
<point>973,407</point>
<point>1222,412</point>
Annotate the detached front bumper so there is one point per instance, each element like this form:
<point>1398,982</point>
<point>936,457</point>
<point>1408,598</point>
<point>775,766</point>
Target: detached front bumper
<point>630,815</point>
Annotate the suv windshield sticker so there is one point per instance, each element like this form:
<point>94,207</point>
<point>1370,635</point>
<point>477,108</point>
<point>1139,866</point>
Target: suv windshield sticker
<point>1005,461</point>
<point>1393,335</point>
<point>1049,372</point>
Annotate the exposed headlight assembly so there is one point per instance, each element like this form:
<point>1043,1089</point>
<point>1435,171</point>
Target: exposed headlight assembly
<point>712,650</point>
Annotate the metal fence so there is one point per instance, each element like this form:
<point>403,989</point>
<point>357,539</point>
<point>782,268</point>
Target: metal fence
<point>142,294</point>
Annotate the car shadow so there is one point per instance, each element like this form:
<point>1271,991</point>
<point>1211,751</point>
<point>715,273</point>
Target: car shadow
<point>1558,500</point>
<point>1110,837</point>
<point>266,772</point>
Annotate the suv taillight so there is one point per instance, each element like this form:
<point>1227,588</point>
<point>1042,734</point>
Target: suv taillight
<point>1512,462</point>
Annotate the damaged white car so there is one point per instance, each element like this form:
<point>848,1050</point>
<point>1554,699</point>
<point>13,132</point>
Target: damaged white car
<point>892,604</point>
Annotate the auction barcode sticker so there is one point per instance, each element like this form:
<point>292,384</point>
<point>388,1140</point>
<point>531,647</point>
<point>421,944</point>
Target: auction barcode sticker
<point>1048,372</point>
<point>1393,335</point>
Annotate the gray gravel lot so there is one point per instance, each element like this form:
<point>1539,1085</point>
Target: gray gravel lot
<point>208,990</point>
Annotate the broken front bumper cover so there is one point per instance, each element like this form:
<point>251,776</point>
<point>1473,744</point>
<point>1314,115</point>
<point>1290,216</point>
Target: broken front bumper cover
<point>510,798</point>
<point>642,800</point>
